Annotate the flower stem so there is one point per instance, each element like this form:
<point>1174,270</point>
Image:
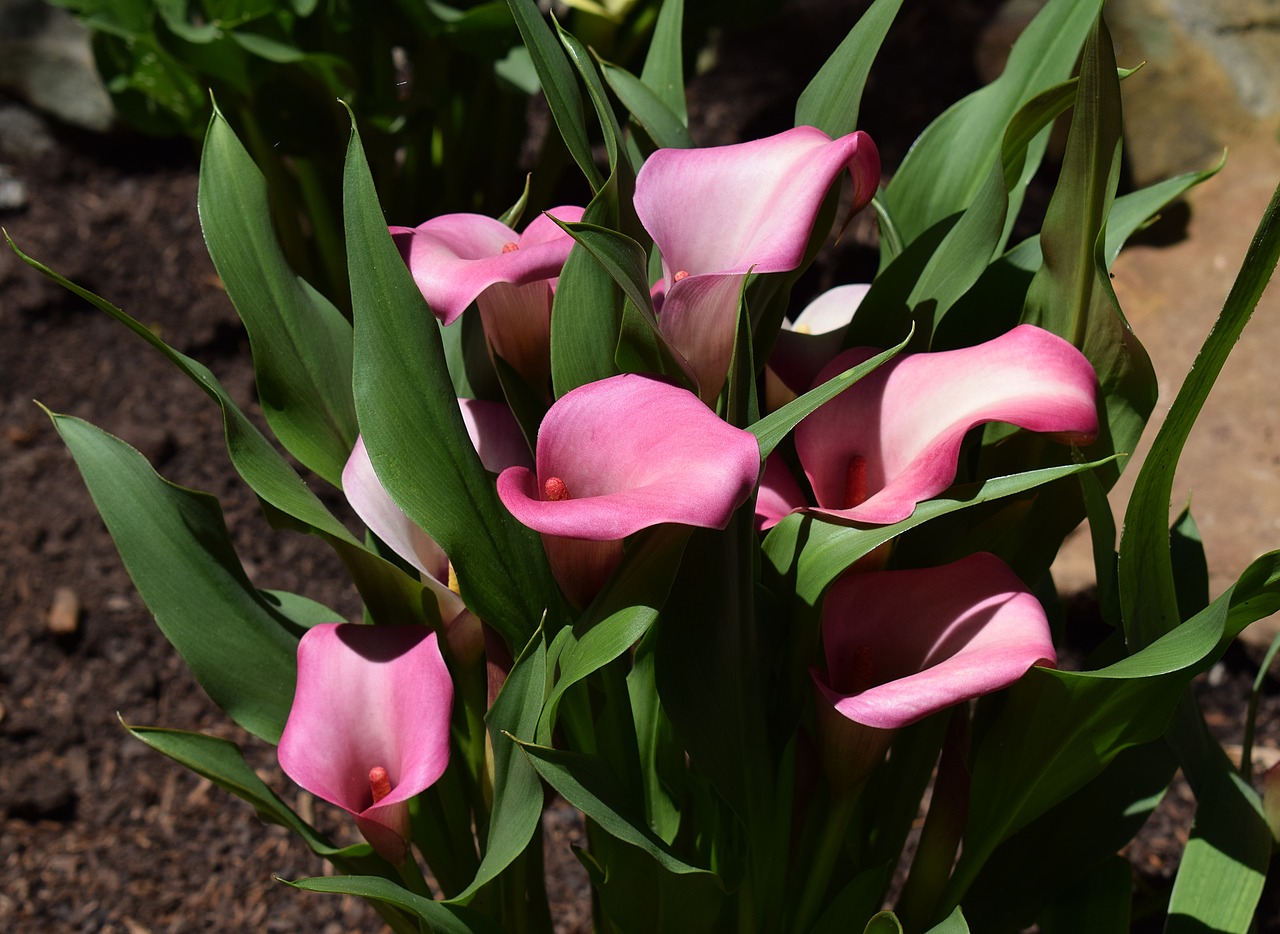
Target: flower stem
<point>824,860</point>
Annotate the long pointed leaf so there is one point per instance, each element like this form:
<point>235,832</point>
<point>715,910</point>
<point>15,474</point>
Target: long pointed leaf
<point>175,546</point>
<point>301,343</point>
<point>413,429</point>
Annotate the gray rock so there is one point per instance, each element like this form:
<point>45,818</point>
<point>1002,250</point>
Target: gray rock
<point>24,134</point>
<point>45,58</point>
<point>1212,77</point>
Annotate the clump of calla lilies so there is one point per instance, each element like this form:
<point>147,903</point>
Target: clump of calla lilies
<point>752,574</point>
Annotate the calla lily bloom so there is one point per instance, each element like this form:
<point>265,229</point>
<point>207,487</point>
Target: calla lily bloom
<point>721,212</point>
<point>457,259</point>
<point>807,344</point>
<point>893,439</point>
<point>497,439</point>
<point>901,645</point>
<point>620,455</point>
<point>369,726</point>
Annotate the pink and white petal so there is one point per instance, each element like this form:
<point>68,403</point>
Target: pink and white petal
<point>581,567</point>
<point>495,434</point>
<point>779,494</point>
<point>927,639</point>
<point>455,257</point>
<point>698,318</point>
<point>632,452</point>
<point>386,520</point>
<point>808,344</point>
<point>542,229</point>
<point>517,323</point>
<point>367,696</point>
<point>908,418</point>
<point>725,209</point>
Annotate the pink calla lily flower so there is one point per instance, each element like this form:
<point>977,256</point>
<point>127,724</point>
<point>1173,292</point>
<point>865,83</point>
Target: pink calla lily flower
<point>497,439</point>
<point>620,455</point>
<point>369,726</point>
<point>893,439</point>
<point>807,344</point>
<point>721,212</point>
<point>457,259</point>
<point>901,645</point>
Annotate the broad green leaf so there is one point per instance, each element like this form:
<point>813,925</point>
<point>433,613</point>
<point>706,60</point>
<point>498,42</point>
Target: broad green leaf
<point>586,315</point>
<point>1022,876</point>
<point>1148,598</point>
<point>588,784</point>
<point>822,551</point>
<point>664,126</point>
<point>1225,863</point>
<point>1099,903</point>
<point>558,84</point>
<point>621,614</point>
<point>663,71</point>
<point>389,594</point>
<point>638,894</point>
<point>301,343</point>
<point>221,762</point>
<point>711,677</point>
<point>954,924</point>
<point>440,917</point>
<point>581,59</point>
<point>946,168</point>
<point>1190,566</point>
<point>413,429</point>
<point>1059,729</point>
<point>175,546</point>
<point>301,611</point>
<point>833,97</point>
<point>993,304</point>
<point>517,792</point>
<point>661,758</point>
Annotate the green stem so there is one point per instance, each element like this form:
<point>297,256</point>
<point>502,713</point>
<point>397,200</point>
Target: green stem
<point>829,846</point>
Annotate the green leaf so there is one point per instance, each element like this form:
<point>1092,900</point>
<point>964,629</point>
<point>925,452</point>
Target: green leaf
<point>388,592</point>
<point>1059,729</point>
<point>621,614</point>
<point>664,126</point>
<point>301,343</point>
<point>711,676</point>
<point>883,922</point>
<point>1099,903</point>
<point>954,924</point>
<point>775,426</point>
<point>663,71</point>
<point>413,429</point>
<point>1225,863</point>
<point>558,84</point>
<point>1022,876</point>
<point>301,611</point>
<point>588,784</point>
<point>585,65</point>
<point>1190,566</point>
<point>175,546</point>
<point>638,894</point>
<point>586,314</point>
<point>517,792</point>
<point>221,762</point>
<point>822,551</point>
<point>833,97</point>
<point>1148,598</point>
<point>945,169</point>
<point>440,917</point>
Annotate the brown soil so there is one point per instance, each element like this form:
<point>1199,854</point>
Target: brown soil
<point>99,833</point>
